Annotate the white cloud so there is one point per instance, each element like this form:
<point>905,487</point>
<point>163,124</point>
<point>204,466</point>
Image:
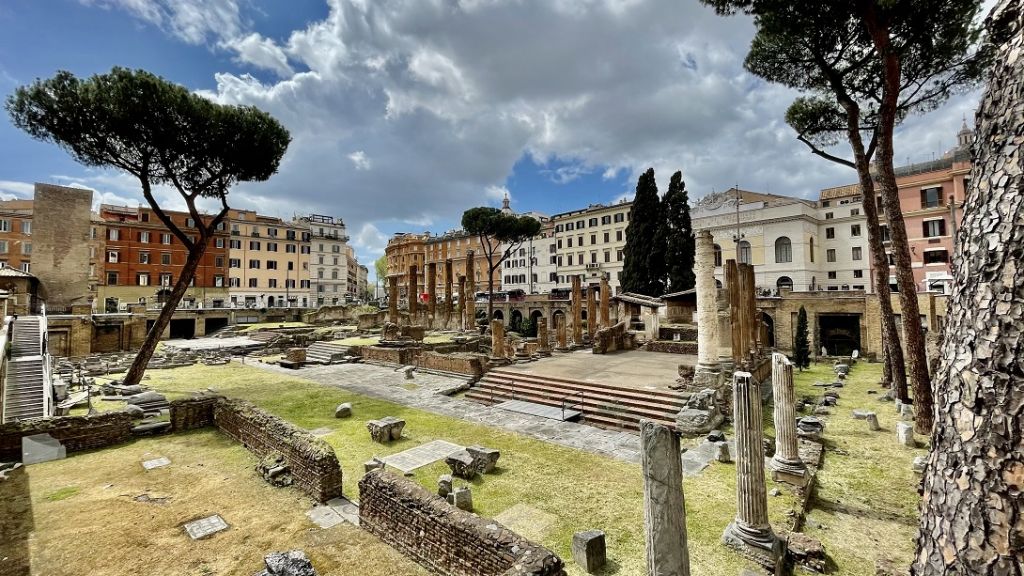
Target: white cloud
<point>193,21</point>
<point>10,189</point>
<point>260,52</point>
<point>360,160</point>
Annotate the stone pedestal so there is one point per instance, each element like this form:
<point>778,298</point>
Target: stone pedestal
<point>560,332</point>
<point>786,464</point>
<point>750,533</point>
<point>393,299</point>
<point>431,294</point>
<point>708,370</point>
<point>543,338</point>
<point>605,303</point>
<point>577,312</point>
<point>664,505</point>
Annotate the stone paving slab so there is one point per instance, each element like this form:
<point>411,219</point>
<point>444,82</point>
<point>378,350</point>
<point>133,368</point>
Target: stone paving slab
<point>205,527</point>
<point>542,410</point>
<point>420,456</point>
<point>156,463</point>
<point>386,384</point>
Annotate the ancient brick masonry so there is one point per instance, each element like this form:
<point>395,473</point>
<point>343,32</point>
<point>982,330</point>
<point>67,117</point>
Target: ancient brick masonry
<point>76,433</point>
<point>192,413</point>
<point>314,466</point>
<point>443,538</point>
<point>458,362</point>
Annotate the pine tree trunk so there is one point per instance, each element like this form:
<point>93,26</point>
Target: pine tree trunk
<point>972,513</point>
<point>917,361</point>
<point>138,367</point>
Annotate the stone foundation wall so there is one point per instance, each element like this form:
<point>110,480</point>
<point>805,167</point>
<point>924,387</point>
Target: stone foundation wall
<point>671,347</point>
<point>616,337</point>
<point>686,333</point>
<point>314,466</point>
<point>459,363</point>
<point>443,538</point>
<point>76,433</point>
<point>192,413</point>
<point>390,355</point>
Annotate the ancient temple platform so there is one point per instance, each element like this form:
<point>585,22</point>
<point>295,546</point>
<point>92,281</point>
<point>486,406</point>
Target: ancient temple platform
<point>634,369</point>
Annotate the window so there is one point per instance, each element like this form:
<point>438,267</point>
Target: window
<point>568,242</point>
<point>165,258</point>
<point>744,252</point>
<point>143,259</point>
<point>190,223</point>
<point>254,244</point>
<point>568,226</point>
<point>606,237</point>
<point>218,242</point>
<point>620,217</point>
<point>830,255</point>
<point>936,257</point>
<point>111,278</point>
<point>254,264</point>
<point>618,235</point>
<point>271,246</point>
<point>112,257</point>
<point>3,246</point>
<point>304,284</point>
<point>218,262</point>
<point>606,219</point>
<point>142,279</point>
<point>832,275</point>
<point>234,263</point>
<point>931,197</point>
<point>593,239</point>
<point>570,259</point>
<point>291,265</point>
<point>854,211</point>
<point>289,248</point>
<point>289,283</point>
<point>165,238</point>
<point>272,232</point>
<point>558,228</point>
<point>607,256</point>
<point>580,224</point>
<point>855,230</point>
<point>218,281</point>
<point>5,225</point>
<point>271,264</point>
<point>272,283</point>
<point>718,255</point>
<point>857,252</point>
<point>234,282</point>
<point>858,273</point>
<point>618,255</point>
<point>828,215</point>
<point>884,233</point>
<point>166,279</point>
<point>784,282</point>
<point>933,228</point>
<point>113,234</point>
<point>592,222</point>
<point>253,283</point>
<point>235,244</point>
<point>812,248</point>
<point>830,233</point>
<point>593,257</point>
<point>783,250</point>
<point>826,203</point>
<point>304,250</point>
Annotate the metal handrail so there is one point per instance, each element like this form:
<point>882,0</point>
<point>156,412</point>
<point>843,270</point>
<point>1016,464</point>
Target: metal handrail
<point>45,353</point>
<point>570,407</point>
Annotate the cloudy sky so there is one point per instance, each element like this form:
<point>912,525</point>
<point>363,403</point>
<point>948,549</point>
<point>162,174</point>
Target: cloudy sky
<point>404,113</point>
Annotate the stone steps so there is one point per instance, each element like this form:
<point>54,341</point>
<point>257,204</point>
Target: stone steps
<point>660,395</point>
<point>325,352</point>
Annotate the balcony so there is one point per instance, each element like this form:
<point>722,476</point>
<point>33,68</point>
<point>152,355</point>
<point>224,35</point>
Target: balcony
<point>594,266</point>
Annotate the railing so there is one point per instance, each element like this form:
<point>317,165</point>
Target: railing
<point>44,351</point>
<point>565,400</point>
<point>5,346</point>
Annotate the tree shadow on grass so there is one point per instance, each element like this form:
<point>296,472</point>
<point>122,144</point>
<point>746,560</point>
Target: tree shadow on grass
<point>17,525</point>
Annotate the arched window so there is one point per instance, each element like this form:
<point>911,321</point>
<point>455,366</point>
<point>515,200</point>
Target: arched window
<point>784,282</point>
<point>783,250</point>
<point>718,255</point>
<point>744,252</point>
<point>718,283</point>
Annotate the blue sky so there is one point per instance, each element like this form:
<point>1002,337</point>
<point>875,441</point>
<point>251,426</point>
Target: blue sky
<point>405,113</point>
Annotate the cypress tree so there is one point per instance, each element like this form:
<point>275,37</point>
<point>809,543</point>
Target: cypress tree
<point>643,267</point>
<point>679,239</point>
<point>801,349</point>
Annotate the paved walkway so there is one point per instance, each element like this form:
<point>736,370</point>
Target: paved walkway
<point>390,384</point>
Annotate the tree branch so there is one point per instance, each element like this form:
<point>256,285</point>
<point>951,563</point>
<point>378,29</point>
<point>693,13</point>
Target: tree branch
<point>825,155</point>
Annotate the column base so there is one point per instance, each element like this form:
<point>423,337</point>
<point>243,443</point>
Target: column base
<point>707,375</point>
<point>792,472</point>
<point>756,544</point>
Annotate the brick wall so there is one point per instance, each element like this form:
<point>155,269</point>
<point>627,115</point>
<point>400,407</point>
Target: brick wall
<point>60,242</point>
<point>613,338</point>
<point>387,355</point>
<point>442,538</point>
<point>192,413</point>
<point>459,363</point>
<point>686,333</point>
<point>672,347</point>
<point>75,432</point>
<point>313,464</point>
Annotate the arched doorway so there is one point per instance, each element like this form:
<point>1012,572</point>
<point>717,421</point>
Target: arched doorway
<point>784,282</point>
<point>515,322</point>
<point>767,330</point>
<point>498,315</point>
<point>554,318</point>
<point>270,301</point>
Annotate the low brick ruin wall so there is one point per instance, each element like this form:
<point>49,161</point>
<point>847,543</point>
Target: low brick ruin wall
<point>458,362</point>
<point>76,433</point>
<point>671,347</point>
<point>192,413</point>
<point>443,538</point>
<point>314,466</point>
<point>686,333</point>
<point>613,338</point>
<point>388,355</point>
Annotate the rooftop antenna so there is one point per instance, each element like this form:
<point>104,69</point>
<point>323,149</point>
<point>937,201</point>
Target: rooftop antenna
<point>738,236</point>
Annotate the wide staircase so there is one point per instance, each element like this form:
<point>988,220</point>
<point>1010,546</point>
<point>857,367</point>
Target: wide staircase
<point>325,352</point>
<point>601,404</point>
<point>26,390</point>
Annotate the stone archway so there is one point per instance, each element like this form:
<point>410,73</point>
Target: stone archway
<point>498,315</point>
<point>515,320</point>
<point>767,330</point>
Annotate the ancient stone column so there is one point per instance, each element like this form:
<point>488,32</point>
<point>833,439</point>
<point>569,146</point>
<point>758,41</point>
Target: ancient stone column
<point>542,333</point>
<point>470,291</point>
<point>462,303</point>
<point>750,292</point>
<point>577,312</point>
<point>497,339</point>
<point>560,332</point>
<point>432,293</point>
<point>393,299</point>
<point>664,505</point>
<point>750,533</point>
<point>591,313</point>
<point>786,464</point>
<point>605,303</point>
<point>447,292</point>
<point>412,292</point>
<point>708,369</point>
<point>744,311</point>
<point>732,284</point>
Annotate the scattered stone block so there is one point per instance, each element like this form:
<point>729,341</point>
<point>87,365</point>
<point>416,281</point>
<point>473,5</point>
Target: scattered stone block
<point>821,411</point>
<point>716,436</point>
<point>769,446</point>
<point>486,458</point>
<point>372,464</point>
<point>775,492</point>
<point>841,369</point>
<point>444,485</point>
<point>861,414</point>
<point>136,412</point>
<point>147,397</point>
<point>872,420</point>
<point>41,448</point>
<point>156,463</point>
<point>906,412</point>
<point>344,410</point>
<point>806,552</point>
<point>809,427</point>
<point>589,551</point>
<point>275,470</point>
<point>290,563</point>
<point>722,452</point>
<point>385,429</point>
<point>462,464</point>
<point>919,464</point>
<point>905,434</point>
<point>461,498</point>
<point>205,527</point>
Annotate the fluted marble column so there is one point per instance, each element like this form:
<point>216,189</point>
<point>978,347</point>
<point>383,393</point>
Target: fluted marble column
<point>470,291</point>
<point>412,292</point>
<point>591,313</point>
<point>497,339</point>
<point>707,309</point>
<point>577,311</point>
<point>447,293</point>
<point>786,464</point>
<point>664,504</point>
<point>432,293</point>
<point>750,533</point>
<point>605,303</point>
<point>462,303</point>
<point>732,283</point>
<point>393,299</point>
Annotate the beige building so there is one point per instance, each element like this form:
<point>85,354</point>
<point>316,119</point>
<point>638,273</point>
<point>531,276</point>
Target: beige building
<point>329,259</point>
<point>590,243</point>
<point>268,261</point>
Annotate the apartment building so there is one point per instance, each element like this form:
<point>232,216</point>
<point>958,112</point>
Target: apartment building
<point>16,234</point>
<point>142,260</point>
<point>589,243</point>
<point>268,261</point>
<point>533,266</point>
<point>330,259</point>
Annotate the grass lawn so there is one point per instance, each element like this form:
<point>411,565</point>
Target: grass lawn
<point>371,340</point>
<point>546,492</point>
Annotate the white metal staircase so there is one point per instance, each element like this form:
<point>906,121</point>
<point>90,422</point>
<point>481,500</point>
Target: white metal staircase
<point>27,384</point>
